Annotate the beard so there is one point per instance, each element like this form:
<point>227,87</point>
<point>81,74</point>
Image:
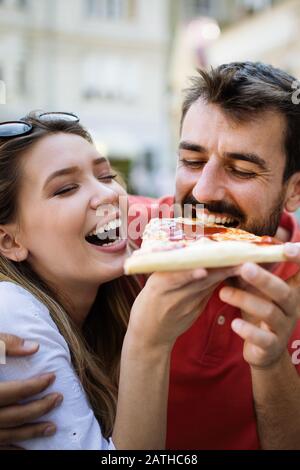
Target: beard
<point>267,226</point>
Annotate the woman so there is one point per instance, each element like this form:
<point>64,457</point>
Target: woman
<point>63,287</point>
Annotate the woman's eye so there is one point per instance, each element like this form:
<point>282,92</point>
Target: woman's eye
<point>64,190</point>
<point>107,178</point>
<point>193,163</point>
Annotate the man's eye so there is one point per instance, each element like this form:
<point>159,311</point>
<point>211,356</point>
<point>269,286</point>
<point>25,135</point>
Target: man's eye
<point>107,178</point>
<point>243,174</point>
<point>193,163</point>
<point>65,190</point>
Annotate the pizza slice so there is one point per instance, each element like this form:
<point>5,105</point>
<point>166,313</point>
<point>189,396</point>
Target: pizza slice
<point>181,243</point>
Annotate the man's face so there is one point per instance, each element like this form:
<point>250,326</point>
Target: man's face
<point>234,169</point>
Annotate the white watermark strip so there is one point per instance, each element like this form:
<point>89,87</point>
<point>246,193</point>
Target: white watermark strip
<point>2,92</point>
<point>296,94</point>
<point>136,216</point>
<point>2,353</point>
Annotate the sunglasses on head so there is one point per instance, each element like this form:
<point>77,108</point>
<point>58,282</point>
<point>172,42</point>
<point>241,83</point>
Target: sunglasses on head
<point>16,128</point>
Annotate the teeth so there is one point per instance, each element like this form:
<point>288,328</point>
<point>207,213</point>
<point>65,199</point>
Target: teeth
<point>112,225</point>
<point>211,219</point>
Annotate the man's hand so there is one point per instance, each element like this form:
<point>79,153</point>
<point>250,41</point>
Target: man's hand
<point>15,419</point>
<point>270,308</point>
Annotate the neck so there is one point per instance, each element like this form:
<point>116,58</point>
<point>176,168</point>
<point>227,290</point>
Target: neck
<point>78,301</point>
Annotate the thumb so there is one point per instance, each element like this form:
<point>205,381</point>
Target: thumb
<point>294,281</point>
<point>178,279</point>
<point>15,346</point>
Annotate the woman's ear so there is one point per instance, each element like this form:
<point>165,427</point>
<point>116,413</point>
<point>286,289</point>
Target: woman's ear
<point>292,197</point>
<point>10,247</point>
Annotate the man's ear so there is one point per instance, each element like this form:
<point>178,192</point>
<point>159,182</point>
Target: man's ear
<point>10,247</point>
<point>292,197</point>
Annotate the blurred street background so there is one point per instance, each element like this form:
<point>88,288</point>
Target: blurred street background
<point>121,66</point>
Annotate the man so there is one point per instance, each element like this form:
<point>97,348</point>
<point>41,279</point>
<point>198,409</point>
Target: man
<point>233,382</point>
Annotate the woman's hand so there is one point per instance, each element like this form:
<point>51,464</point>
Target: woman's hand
<point>15,419</point>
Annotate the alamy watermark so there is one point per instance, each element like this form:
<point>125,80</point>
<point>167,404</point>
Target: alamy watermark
<point>2,92</point>
<point>2,352</point>
<point>296,353</point>
<point>296,94</point>
<point>134,218</point>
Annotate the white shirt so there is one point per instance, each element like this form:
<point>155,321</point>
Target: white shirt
<point>23,315</point>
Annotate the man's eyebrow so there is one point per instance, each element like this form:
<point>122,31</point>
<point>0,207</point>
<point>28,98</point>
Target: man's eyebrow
<point>71,169</point>
<point>247,157</point>
<point>185,145</point>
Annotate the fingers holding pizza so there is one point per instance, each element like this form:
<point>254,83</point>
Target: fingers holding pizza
<point>270,310</point>
<point>170,303</point>
<point>269,305</point>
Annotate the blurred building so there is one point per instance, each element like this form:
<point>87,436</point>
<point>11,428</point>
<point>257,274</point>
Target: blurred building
<point>122,65</point>
<point>106,60</point>
<point>211,32</point>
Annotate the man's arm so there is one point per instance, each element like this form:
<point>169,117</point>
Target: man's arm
<point>276,393</point>
<point>14,417</point>
<point>270,309</point>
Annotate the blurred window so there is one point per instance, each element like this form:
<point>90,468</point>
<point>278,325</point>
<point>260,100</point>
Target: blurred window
<point>256,5</point>
<point>111,78</point>
<point>22,4</point>
<point>199,7</point>
<point>22,78</point>
<point>111,9</point>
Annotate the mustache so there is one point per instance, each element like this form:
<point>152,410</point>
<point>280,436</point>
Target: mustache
<point>215,206</point>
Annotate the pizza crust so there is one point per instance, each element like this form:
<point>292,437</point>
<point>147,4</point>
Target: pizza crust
<point>206,255</point>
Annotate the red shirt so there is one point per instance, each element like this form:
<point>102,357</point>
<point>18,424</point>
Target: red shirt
<point>210,398</point>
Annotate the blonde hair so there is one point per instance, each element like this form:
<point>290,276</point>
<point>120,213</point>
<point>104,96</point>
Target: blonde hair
<point>96,350</point>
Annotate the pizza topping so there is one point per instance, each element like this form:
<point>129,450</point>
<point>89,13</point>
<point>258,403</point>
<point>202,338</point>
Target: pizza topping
<point>266,240</point>
<point>168,234</point>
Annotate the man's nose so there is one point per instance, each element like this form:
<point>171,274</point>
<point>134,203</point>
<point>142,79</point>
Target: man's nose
<point>210,185</point>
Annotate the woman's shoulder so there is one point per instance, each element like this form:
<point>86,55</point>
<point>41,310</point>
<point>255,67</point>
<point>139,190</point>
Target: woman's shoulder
<point>22,314</point>
<point>15,298</point>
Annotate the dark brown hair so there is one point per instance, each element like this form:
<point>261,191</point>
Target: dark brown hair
<point>244,89</point>
<point>96,350</point>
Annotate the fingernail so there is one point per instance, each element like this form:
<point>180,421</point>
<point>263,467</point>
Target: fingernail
<point>29,346</point>
<point>49,431</point>
<point>291,249</point>
<point>250,270</point>
<point>199,273</point>
<point>50,377</point>
<point>58,401</point>
<point>236,324</point>
<point>225,292</point>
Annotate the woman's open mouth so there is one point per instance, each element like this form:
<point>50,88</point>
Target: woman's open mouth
<point>107,236</point>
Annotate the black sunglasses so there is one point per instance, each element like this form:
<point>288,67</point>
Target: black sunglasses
<point>16,128</point>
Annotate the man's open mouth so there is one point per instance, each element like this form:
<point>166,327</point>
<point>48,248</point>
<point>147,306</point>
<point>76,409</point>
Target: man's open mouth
<point>218,219</point>
<point>106,235</point>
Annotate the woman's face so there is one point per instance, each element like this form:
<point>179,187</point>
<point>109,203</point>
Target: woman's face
<point>64,182</point>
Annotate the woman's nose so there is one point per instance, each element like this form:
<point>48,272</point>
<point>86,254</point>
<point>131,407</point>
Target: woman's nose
<point>103,196</point>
